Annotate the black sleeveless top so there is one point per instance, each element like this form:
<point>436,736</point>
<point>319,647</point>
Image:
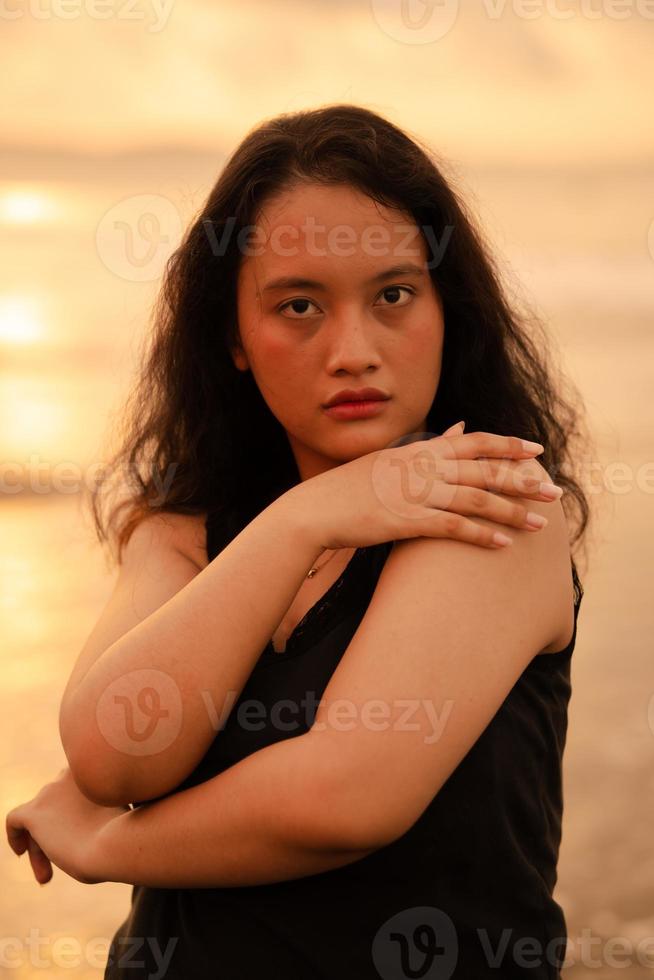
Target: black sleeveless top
<point>465,893</point>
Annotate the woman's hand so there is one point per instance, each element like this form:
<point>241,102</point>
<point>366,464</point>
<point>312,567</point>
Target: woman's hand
<point>60,826</point>
<point>422,489</point>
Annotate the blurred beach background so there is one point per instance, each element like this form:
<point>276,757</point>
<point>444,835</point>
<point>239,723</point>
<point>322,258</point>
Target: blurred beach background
<point>116,121</point>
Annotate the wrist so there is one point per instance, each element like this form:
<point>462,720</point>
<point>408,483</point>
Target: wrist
<point>104,857</point>
<point>294,509</point>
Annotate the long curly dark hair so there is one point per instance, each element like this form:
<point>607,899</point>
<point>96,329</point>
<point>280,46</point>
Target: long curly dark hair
<point>198,427</point>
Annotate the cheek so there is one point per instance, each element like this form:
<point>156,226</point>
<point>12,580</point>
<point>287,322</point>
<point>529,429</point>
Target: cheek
<point>421,355</point>
<point>281,369</point>
<point>424,344</point>
<point>267,350</point>
<point>280,356</point>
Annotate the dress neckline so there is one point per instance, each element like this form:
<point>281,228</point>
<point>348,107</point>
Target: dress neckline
<point>316,613</point>
<point>348,588</point>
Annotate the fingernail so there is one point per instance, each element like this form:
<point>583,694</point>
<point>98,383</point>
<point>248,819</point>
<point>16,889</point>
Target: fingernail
<point>502,539</point>
<point>531,447</point>
<point>535,520</point>
<point>551,490</point>
<point>463,425</point>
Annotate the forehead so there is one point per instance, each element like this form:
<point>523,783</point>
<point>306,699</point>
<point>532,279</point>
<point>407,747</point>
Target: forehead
<point>315,228</point>
<point>330,203</point>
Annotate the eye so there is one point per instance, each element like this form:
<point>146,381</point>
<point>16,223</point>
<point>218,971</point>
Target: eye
<point>396,289</point>
<point>388,289</point>
<point>290,302</point>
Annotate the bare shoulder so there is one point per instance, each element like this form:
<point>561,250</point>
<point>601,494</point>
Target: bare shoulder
<point>184,533</point>
<point>553,550</point>
<point>537,562</point>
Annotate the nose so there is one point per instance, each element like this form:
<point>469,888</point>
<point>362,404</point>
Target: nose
<point>353,345</point>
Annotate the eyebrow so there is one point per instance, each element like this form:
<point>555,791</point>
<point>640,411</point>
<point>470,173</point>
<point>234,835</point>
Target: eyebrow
<point>296,282</point>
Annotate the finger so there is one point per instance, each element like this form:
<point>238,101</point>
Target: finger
<point>41,865</point>
<point>503,476</point>
<point>17,835</point>
<point>471,445</point>
<point>468,500</point>
<point>443,524</point>
<point>455,429</point>
<point>18,839</point>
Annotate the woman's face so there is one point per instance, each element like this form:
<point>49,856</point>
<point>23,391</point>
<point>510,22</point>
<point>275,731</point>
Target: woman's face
<point>352,328</point>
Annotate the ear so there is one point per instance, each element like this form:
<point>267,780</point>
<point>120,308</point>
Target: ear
<point>239,358</point>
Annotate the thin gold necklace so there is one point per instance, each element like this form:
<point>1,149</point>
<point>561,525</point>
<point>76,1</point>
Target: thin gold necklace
<point>316,568</point>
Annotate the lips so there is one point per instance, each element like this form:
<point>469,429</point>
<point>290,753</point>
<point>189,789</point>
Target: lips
<point>357,395</point>
<point>364,408</point>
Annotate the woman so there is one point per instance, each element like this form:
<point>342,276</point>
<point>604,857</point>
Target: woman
<point>415,832</point>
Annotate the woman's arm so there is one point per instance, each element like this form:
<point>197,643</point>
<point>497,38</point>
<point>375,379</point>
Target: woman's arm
<point>279,814</point>
<point>276,815</point>
<point>331,796</point>
<point>140,712</point>
<point>176,645</point>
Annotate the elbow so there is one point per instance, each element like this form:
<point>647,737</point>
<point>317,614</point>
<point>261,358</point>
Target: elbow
<point>94,780</point>
<point>367,835</point>
<point>89,766</point>
<point>107,778</point>
<point>97,790</point>
<point>109,765</point>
